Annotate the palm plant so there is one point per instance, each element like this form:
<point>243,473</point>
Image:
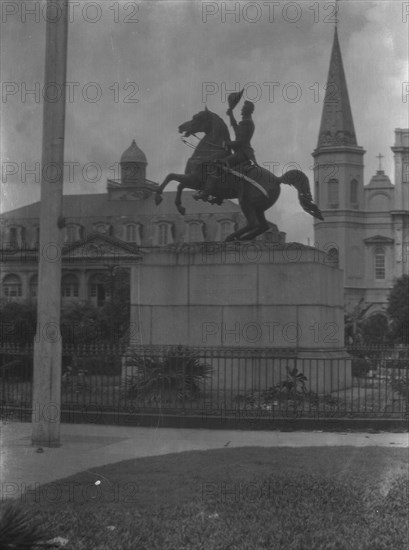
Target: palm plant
<point>179,374</point>
<point>17,531</point>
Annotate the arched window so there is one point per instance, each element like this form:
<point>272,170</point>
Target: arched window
<point>317,192</point>
<point>194,232</point>
<point>133,233</point>
<point>13,237</point>
<point>333,256</point>
<point>379,263</point>
<point>73,233</point>
<point>164,234</point>
<point>12,287</point>
<point>33,286</point>
<point>69,286</point>
<point>333,193</point>
<point>354,193</point>
<point>16,236</point>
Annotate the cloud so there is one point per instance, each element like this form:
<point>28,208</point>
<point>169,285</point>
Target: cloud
<point>171,53</point>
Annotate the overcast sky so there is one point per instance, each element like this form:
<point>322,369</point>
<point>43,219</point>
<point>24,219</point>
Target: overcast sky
<point>172,57</point>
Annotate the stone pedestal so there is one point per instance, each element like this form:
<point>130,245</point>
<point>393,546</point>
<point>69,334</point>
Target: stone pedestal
<point>286,299</point>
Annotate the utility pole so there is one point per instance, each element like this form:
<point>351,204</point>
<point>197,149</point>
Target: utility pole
<point>46,414</point>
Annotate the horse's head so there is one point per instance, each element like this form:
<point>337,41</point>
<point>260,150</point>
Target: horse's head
<point>201,122</point>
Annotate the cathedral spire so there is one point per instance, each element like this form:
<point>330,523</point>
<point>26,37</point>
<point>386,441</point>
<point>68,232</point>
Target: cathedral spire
<point>337,126</point>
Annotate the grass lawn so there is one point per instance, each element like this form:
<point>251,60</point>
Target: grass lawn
<point>242,498</point>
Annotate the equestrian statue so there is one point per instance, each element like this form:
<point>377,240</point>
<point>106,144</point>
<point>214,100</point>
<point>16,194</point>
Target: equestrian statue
<point>223,169</point>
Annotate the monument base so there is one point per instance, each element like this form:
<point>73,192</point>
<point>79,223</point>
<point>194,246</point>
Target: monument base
<point>251,309</point>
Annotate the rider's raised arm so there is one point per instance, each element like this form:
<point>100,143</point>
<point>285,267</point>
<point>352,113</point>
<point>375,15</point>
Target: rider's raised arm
<point>233,121</point>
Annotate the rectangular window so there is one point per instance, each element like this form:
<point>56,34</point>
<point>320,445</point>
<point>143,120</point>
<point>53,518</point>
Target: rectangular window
<point>405,172</point>
<point>131,234</point>
<point>36,237</point>
<point>163,234</point>
<point>12,291</point>
<point>380,266</point>
<point>70,290</point>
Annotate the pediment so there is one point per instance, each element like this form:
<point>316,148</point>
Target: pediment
<point>379,239</point>
<point>101,247</point>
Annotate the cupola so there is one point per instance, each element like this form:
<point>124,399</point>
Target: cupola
<point>133,165</point>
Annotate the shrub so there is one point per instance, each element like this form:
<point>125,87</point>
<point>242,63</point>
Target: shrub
<point>179,374</point>
<point>292,388</point>
<point>398,377</point>
<point>360,367</point>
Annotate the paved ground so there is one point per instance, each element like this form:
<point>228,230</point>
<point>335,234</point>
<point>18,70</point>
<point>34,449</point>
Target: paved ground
<point>87,446</point>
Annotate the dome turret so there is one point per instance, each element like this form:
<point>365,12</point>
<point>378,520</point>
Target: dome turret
<point>133,165</point>
<point>134,154</point>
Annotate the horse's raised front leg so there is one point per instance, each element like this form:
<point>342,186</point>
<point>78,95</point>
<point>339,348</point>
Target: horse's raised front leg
<point>184,181</point>
<point>169,177</point>
<point>178,199</point>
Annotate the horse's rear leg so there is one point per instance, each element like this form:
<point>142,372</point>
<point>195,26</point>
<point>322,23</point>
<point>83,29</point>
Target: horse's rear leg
<point>238,233</point>
<point>251,216</point>
<point>261,228</point>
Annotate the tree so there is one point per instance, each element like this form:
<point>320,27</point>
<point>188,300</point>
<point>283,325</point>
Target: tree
<point>116,312</point>
<point>353,323</point>
<point>18,322</point>
<point>81,322</point>
<point>375,329</point>
<point>398,310</point>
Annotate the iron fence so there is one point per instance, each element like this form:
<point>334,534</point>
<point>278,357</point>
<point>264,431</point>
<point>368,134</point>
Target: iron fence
<point>218,382</point>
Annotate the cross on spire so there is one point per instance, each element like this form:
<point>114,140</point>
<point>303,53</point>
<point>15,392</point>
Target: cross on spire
<point>380,157</point>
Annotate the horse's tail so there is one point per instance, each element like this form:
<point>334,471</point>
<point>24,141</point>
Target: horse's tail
<point>299,180</point>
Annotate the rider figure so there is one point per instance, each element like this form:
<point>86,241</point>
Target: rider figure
<point>243,151</point>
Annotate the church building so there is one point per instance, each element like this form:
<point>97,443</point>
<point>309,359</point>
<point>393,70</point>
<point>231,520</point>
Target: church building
<point>366,225</point>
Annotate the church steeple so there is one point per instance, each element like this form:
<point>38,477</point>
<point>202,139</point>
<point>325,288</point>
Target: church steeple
<point>337,126</point>
<point>339,177</point>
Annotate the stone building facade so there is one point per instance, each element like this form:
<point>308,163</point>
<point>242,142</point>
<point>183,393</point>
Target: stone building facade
<point>106,230</point>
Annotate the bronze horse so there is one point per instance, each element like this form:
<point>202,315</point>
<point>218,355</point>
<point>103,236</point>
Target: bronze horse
<point>256,194</point>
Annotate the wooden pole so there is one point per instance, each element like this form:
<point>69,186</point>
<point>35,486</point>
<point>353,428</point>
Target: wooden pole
<point>47,344</point>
